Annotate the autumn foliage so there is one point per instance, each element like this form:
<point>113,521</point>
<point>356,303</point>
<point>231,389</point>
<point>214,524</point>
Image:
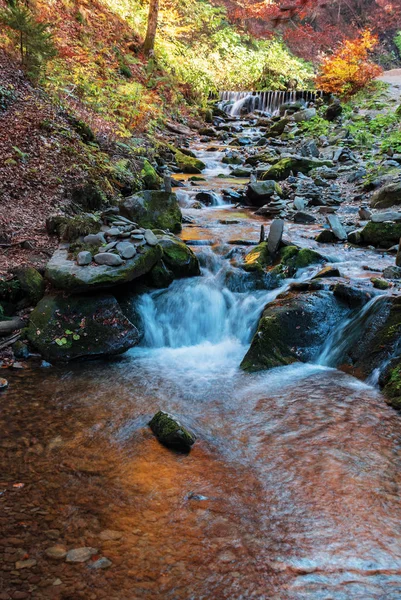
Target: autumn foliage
<point>349,68</point>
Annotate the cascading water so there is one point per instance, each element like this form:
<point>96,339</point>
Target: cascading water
<point>238,103</point>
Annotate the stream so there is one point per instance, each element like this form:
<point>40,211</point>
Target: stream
<point>291,491</point>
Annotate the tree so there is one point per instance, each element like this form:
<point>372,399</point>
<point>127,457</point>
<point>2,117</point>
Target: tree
<point>34,39</point>
<point>149,44</point>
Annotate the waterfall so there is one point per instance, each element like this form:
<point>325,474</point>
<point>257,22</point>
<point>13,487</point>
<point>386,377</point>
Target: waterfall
<point>237,103</point>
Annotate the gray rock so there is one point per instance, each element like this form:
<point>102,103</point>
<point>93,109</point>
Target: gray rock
<point>108,247</point>
<point>101,563</point>
<point>84,258</point>
<point>94,239</point>
<point>113,232</point>
<point>80,555</point>
<point>398,257</point>
<point>388,195</point>
<point>309,149</point>
<point>275,236</point>
<point>304,115</point>
<point>336,227</point>
<point>364,213</point>
<point>126,250</point>
<point>387,215</point>
<point>150,237</point>
<point>299,203</point>
<point>303,217</point>
<point>258,193</point>
<point>110,260</point>
<point>392,273</point>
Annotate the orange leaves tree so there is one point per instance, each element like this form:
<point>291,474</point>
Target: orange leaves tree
<point>349,68</point>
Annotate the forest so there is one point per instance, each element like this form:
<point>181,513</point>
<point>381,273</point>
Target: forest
<point>200,299</point>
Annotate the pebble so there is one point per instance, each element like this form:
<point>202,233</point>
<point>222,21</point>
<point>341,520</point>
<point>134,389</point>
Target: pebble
<point>57,552</point>
<point>57,582</point>
<point>110,534</point>
<point>25,564</point>
<point>101,563</point>
<point>150,237</point>
<point>79,555</point>
<point>111,260</point>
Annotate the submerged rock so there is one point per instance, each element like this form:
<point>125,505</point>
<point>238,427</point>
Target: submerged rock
<point>63,329</point>
<point>170,432</point>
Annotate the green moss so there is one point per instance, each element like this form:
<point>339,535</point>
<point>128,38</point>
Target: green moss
<point>32,284</point>
<point>258,258</point>
<point>179,258</point>
<point>380,284</point>
<point>71,228</point>
<point>385,234</point>
<point>188,164</point>
<point>151,180</point>
<point>283,168</point>
<point>170,432</point>
<point>392,389</point>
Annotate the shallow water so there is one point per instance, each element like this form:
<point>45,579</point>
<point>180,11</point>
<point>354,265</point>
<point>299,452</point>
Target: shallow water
<point>291,491</point>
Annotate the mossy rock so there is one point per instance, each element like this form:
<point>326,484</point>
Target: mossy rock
<point>260,192</point>
<point>170,432</point>
<point>188,164</point>
<point>257,259</point>
<point>63,329</point>
<point>82,129</point>
<point>392,389</point>
<point>388,195</point>
<point>295,258</point>
<point>160,276</point>
<point>178,257</point>
<point>10,290</point>
<point>149,177</point>
<point>65,274</point>
<point>89,196</point>
<point>278,128</point>
<point>381,234</point>
<point>70,229</point>
<point>31,283</point>
<point>295,164</point>
<point>153,209</point>
<point>292,329</point>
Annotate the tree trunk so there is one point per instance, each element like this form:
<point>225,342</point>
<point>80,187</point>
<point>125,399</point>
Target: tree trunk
<point>149,43</point>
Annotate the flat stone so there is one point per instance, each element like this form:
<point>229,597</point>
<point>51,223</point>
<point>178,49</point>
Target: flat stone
<point>84,258</point>
<point>388,215</point>
<point>102,563</point>
<point>303,217</point>
<point>57,582</point>
<point>113,231</point>
<point>337,227</point>
<point>299,203</point>
<point>80,555</point>
<point>95,239</point>
<point>108,247</point>
<point>126,250</point>
<point>25,564</point>
<point>138,237</point>
<point>110,260</point>
<point>110,534</point>
<point>150,237</point>
<point>57,552</point>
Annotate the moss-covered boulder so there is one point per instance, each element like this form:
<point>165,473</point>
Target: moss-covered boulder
<point>293,329</point>
<point>384,234</point>
<point>31,283</point>
<point>260,192</point>
<point>70,228</point>
<point>64,274</point>
<point>388,195</point>
<point>257,259</point>
<point>296,258</point>
<point>160,276</point>
<point>278,127</point>
<point>170,432</point>
<point>295,164</point>
<point>392,387</point>
<point>178,257</point>
<point>188,164</point>
<point>149,177</point>
<point>89,196</point>
<point>153,209</point>
<point>63,329</point>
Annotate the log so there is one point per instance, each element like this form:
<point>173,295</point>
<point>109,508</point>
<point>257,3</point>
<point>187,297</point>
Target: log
<point>9,341</point>
<point>7,327</point>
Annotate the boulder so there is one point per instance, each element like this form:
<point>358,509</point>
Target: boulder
<point>388,195</point>
<point>63,329</point>
<point>258,258</point>
<point>258,193</point>
<point>64,274</point>
<point>293,329</point>
<point>278,128</point>
<point>275,236</point>
<point>381,234</point>
<point>387,215</point>
<point>336,227</point>
<point>153,210</point>
<point>325,237</point>
<point>333,111</point>
<point>304,115</point>
<point>188,164</point>
<point>31,283</point>
<point>295,164</point>
<point>160,276</point>
<point>150,179</point>
<point>170,432</point>
<point>178,257</point>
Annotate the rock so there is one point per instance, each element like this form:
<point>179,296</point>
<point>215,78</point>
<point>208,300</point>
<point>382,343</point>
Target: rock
<point>278,128</point>
<point>292,329</point>
<point>296,164</point>
<point>178,257</point>
<point>380,284</point>
<point>151,180</point>
<point>207,197</point>
<point>355,237</point>
<point>95,239</point>
<point>31,283</point>
<point>326,237</point>
<point>25,564</point>
<point>108,259</point>
<point>258,258</point>
<point>295,258</point>
<point>304,217</point>
<point>110,534</point>
<point>101,563</point>
<point>65,274</point>
<point>388,195</point>
<point>160,276</point>
<point>305,115</point>
<point>126,250</point>
<point>275,236</point>
<point>257,194</point>
<point>328,271</point>
<point>300,203</point>
<point>353,296</point>
<point>150,237</point>
<point>241,172</point>
<point>3,383</point>
<point>188,164</point>
<point>333,111</point>
<point>170,432</point>
<point>80,555</point>
<point>20,350</point>
<point>71,228</point>
<point>113,232</point>
<point>392,273</point>
<point>336,227</point>
<point>381,234</point>
<point>364,213</point>
<point>57,552</point>
<point>153,210</point>
<point>84,258</point>
<point>63,329</point>
<point>309,149</point>
<point>388,215</point>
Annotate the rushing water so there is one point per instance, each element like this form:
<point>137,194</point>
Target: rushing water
<point>291,491</point>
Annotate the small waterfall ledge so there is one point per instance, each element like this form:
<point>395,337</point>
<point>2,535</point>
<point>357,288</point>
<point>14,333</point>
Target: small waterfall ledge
<point>237,103</point>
